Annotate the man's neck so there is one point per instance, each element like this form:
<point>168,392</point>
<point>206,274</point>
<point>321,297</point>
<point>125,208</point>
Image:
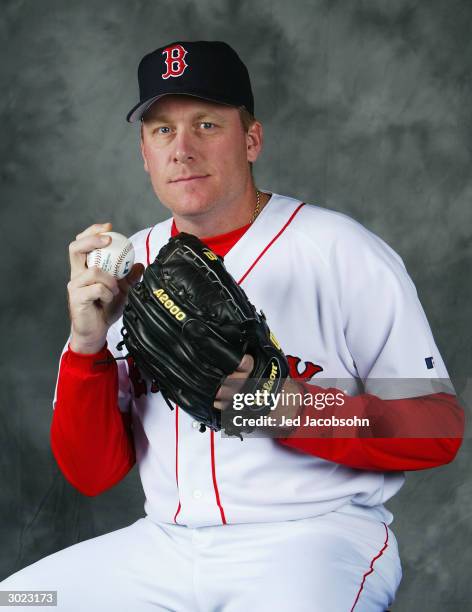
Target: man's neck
<point>212,225</point>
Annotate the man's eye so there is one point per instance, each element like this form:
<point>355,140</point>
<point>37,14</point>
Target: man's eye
<point>163,129</point>
<point>207,125</point>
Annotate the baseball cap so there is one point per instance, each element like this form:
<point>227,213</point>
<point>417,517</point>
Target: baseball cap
<point>211,70</point>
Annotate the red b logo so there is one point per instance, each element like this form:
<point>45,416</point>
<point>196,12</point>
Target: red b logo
<point>175,61</point>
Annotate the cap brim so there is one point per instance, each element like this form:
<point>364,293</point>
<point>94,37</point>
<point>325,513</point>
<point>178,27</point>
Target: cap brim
<point>136,113</point>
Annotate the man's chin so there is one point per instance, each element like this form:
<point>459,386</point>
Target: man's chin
<point>188,206</point>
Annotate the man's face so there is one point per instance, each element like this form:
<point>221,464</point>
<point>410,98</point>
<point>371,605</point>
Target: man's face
<point>197,153</point>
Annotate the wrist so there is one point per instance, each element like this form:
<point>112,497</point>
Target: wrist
<point>86,347</point>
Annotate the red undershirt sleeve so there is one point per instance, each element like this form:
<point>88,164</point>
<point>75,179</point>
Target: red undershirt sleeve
<point>406,434</point>
<point>91,439</point>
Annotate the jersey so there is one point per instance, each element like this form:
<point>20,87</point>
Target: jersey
<point>344,308</point>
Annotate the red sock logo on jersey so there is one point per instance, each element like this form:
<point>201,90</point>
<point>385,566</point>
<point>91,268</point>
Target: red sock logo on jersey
<point>175,61</point>
<point>310,368</point>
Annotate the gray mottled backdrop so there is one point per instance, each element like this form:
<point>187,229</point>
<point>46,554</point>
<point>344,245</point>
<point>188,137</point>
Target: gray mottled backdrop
<point>367,110</point>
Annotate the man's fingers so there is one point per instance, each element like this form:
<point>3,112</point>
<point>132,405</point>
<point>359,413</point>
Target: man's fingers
<point>91,276</point>
<point>225,393</point>
<point>234,382</point>
<point>231,385</point>
<point>219,405</point>
<point>96,228</point>
<point>90,293</point>
<point>78,250</point>
<point>246,365</point>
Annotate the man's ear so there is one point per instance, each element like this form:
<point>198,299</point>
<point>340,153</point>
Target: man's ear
<point>254,141</point>
<point>146,167</point>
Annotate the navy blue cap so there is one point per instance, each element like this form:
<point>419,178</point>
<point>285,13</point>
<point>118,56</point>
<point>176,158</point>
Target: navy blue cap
<point>211,70</point>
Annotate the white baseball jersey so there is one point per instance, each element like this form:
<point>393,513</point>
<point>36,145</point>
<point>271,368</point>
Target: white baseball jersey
<point>335,295</point>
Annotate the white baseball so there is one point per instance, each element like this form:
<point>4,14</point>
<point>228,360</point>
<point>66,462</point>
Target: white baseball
<point>117,258</point>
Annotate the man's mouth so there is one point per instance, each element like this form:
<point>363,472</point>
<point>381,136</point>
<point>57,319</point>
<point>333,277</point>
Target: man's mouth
<point>192,177</point>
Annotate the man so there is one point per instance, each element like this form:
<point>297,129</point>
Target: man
<point>281,523</point>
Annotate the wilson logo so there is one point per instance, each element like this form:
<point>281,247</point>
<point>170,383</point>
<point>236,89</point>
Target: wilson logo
<point>211,256</point>
<point>274,341</point>
<point>274,372</point>
<point>169,304</point>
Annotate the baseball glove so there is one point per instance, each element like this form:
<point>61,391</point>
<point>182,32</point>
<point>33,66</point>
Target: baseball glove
<point>188,324</point>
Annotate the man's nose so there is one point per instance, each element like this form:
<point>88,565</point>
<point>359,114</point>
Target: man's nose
<point>184,149</point>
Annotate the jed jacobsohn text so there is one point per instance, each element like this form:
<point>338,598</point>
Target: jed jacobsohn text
<point>319,401</point>
<point>307,421</point>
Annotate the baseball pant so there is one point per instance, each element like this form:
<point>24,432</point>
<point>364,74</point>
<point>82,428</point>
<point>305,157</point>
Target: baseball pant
<point>331,563</point>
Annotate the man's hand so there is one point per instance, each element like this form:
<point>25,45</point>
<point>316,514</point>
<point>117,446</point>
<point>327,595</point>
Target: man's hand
<point>235,381</point>
<point>96,298</point>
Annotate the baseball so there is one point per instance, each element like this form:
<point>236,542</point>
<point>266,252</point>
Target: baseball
<point>117,258</point>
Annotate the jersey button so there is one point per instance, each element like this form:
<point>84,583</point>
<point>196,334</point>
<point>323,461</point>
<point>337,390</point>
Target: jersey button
<point>197,494</point>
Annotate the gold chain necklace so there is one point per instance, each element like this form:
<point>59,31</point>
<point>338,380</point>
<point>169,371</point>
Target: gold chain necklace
<point>258,206</point>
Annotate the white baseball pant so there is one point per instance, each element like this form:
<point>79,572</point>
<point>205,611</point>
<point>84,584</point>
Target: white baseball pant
<point>331,563</point>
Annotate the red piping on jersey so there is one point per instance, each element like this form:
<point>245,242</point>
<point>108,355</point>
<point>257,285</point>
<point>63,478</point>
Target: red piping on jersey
<point>371,568</point>
<point>213,474</point>
<point>148,257</point>
<point>212,434</point>
<point>176,513</point>
<point>177,459</point>
<point>270,243</point>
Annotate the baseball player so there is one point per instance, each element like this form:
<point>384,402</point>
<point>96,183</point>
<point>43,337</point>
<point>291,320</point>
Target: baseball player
<point>285,523</point>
